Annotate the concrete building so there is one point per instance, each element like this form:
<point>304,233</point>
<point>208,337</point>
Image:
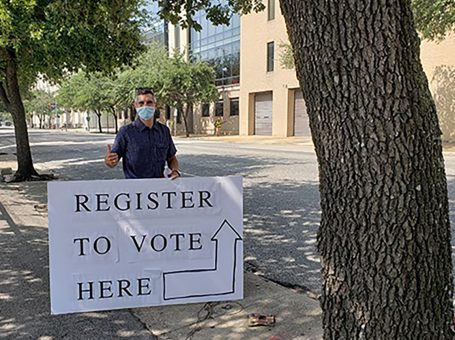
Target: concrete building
<point>265,98</point>
<point>271,102</point>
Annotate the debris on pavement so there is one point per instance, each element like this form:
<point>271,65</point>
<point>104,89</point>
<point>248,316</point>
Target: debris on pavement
<point>41,208</point>
<point>6,171</point>
<point>256,319</point>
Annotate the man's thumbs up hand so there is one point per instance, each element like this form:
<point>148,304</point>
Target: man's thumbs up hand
<point>111,158</point>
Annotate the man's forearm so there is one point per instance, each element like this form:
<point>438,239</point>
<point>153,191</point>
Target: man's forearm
<point>173,164</point>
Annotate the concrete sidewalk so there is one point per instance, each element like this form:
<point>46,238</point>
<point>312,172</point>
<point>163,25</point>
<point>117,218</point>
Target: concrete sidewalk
<point>298,316</point>
<point>205,137</point>
<point>253,139</point>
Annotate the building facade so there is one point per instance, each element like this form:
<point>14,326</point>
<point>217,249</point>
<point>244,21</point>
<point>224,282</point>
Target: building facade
<point>267,99</point>
<point>257,94</point>
<point>220,47</point>
<point>271,102</point>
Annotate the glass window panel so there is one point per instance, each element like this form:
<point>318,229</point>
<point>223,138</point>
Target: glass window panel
<point>219,45</point>
<point>205,110</point>
<point>219,109</point>
<point>271,9</point>
<point>235,20</point>
<point>211,30</point>
<point>270,56</point>
<point>234,106</point>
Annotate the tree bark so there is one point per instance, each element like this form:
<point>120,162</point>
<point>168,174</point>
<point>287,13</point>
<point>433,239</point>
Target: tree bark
<point>185,116</point>
<point>384,236</point>
<point>98,115</point>
<point>114,114</point>
<point>133,113</point>
<point>190,118</point>
<point>13,101</point>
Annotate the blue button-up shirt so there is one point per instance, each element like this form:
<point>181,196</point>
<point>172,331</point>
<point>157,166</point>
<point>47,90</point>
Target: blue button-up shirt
<point>144,150</point>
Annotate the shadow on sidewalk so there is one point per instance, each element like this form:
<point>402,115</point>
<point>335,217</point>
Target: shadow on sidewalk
<point>279,240</point>
<point>24,297</point>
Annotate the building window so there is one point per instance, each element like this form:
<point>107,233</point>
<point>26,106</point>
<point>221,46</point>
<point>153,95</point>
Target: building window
<point>205,109</point>
<point>219,46</point>
<point>271,9</point>
<point>234,106</point>
<point>219,109</point>
<point>270,56</point>
<point>157,30</point>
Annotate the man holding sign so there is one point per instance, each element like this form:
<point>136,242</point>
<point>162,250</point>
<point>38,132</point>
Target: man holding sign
<point>145,145</point>
<point>122,244</point>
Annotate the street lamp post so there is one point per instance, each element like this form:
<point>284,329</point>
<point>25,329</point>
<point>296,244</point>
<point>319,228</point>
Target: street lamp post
<point>223,71</point>
<point>175,121</point>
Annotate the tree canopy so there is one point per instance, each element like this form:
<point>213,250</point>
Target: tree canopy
<point>54,38</point>
<point>176,83</point>
<point>434,19</point>
<point>186,83</point>
<point>98,91</point>
<point>41,103</point>
<point>219,12</point>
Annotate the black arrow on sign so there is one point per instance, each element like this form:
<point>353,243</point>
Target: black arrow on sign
<point>186,284</point>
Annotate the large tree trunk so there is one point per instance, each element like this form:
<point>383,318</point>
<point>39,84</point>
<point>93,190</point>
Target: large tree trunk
<point>12,98</point>
<point>385,235</point>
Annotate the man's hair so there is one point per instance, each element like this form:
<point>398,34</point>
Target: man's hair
<point>144,90</point>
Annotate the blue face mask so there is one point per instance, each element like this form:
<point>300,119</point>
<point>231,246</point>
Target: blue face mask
<point>146,112</point>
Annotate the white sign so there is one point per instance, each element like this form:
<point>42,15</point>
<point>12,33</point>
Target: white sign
<point>146,242</point>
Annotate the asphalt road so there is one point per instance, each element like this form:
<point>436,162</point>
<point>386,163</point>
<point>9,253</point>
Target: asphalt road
<point>281,198</point>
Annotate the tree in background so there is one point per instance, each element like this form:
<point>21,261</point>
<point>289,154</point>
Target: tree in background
<point>176,83</point>
<point>86,93</point>
<point>146,72</point>
<point>286,56</point>
<point>98,92</point>
<point>51,38</point>
<point>41,103</point>
<point>384,236</point>
<point>186,84</point>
